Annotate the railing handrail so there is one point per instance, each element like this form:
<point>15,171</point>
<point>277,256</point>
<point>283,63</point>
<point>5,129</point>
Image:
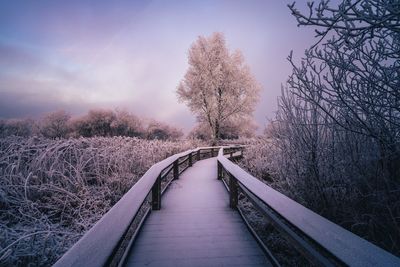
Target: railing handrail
<point>341,243</point>
<point>97,246</point>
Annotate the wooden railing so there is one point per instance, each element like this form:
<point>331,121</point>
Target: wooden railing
<point>318,239</point>
<point>107,241</point>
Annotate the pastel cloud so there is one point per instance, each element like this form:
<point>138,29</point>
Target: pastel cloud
<point>78,55</point>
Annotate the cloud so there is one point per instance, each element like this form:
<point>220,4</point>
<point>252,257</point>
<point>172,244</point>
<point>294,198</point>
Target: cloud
<point>77,55</point>
<point>31,104</point>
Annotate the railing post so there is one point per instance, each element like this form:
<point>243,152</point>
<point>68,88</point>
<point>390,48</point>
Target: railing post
<point>233,192</point>
<point>190,159</point>
<point>156,194</point>
<point>176,169</point>
<point>212,152</point>
<point>219,170</point>
<point>230,153</point>
<point>198,155</point>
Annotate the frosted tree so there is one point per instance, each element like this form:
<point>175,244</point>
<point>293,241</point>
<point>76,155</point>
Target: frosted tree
<point>218,85</point>
<point>353,70</point>
<point>337,127</point>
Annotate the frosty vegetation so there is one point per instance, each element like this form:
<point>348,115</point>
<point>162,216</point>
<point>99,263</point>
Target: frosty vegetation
<point>100,122</point>
<point>52,191</point>
<point>334,145</point>
<point>219,89</point>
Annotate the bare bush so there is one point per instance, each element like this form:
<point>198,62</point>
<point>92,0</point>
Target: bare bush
<point>52,191</point>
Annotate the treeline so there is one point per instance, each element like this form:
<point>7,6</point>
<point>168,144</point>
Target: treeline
<point>98,122</point>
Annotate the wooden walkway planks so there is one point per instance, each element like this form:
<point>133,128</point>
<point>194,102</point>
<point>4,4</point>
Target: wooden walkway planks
<point>196,227</point>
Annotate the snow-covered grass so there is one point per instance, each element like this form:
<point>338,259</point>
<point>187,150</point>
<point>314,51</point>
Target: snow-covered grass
<point>281,248</point>
<point>358,205</point>
<point>52,191</point>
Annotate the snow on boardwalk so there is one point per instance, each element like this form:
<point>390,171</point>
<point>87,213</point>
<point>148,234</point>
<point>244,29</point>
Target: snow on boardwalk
<point>196,227</point>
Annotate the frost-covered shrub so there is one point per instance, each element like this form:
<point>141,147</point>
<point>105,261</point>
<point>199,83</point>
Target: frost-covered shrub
<point>126,124</point>
<point>229,129</point>
<point>52,191</point>
<point>55,124</point>
<point>161,131</point>
<point>17,127</point>
<point>95,123</point>
<point>335,143</point>
<point>98,122</point>
<point>344,181</point>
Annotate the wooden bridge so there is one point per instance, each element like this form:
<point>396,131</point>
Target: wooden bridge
<point>197,221</point>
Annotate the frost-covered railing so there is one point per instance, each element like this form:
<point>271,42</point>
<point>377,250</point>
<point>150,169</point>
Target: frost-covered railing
<point>99,246</point>
<point>317,238</point>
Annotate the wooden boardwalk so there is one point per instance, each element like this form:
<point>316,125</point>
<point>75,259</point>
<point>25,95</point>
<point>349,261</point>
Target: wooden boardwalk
<point>196,227</point>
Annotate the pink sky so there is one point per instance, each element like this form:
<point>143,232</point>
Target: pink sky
<point>77,55</point>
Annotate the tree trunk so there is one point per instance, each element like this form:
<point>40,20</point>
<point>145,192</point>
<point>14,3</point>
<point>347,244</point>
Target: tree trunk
<point>216,130</point>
